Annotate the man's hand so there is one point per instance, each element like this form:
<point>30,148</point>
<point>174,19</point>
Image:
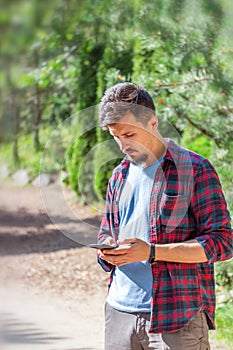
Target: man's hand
<point>130,250</point>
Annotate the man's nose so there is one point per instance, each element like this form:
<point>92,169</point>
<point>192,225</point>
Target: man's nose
<point>123,143</point>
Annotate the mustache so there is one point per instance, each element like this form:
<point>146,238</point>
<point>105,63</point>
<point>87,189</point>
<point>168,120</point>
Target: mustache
<point>129,150</point>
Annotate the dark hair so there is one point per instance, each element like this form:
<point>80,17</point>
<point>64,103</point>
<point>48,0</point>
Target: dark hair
<point>123,98</point>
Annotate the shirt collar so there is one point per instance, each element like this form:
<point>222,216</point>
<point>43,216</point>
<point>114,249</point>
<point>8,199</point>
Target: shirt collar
<point>173,151</point>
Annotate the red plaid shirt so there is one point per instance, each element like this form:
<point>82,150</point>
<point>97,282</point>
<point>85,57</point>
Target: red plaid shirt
<point>186,203</point>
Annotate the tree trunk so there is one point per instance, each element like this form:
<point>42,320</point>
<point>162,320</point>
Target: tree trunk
<point>38,110</point>
<point>37,104</point>
<point>16,111</point>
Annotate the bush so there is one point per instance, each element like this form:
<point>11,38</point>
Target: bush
<point>224,322</point>
<point>224,274</point>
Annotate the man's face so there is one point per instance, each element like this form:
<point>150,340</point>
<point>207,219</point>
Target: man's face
<point>135,139</point>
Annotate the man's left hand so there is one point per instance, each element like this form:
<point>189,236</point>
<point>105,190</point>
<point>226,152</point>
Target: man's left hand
<point>130,250</point>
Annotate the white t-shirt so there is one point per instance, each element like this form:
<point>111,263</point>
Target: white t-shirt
<point>131,288</point>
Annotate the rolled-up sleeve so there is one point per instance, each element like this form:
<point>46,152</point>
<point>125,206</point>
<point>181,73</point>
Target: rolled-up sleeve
<point>105,228</point>
<point>211,214</point>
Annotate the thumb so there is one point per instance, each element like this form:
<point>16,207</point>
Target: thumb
<point>128,241</point>
<point>109,240</point>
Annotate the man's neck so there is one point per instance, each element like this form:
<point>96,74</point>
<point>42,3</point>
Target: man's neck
<point>159,152</point>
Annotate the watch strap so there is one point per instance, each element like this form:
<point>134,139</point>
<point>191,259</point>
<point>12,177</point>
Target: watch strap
<point>152,253</point>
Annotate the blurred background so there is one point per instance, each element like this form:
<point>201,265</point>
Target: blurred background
<point>58,57</point>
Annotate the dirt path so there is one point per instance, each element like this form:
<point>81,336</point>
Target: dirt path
<point>52,291</point>
<point>34,321</point>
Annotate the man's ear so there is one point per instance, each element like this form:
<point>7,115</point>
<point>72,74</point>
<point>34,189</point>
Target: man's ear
<point>153,122</point>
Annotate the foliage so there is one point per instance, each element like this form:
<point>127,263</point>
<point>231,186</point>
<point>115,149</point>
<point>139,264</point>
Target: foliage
<point>197,142</point>
<point>224,320</point>
<point>58,59</point>
<point>80,173</point>
<point>224,275</point>
<point>87,86</point>
<point>28,159</point>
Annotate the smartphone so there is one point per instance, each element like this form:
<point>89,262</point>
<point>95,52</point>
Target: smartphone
<point>102,246</point>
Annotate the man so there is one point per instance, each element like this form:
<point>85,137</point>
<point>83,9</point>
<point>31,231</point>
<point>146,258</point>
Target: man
<point>166,211</point>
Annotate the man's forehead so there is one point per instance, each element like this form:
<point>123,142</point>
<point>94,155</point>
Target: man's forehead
<point>127,120</point>
<point>123,127</point>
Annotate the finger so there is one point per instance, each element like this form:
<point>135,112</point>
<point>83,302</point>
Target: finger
<point>117,251</point>
<point>128,241</point>
<point>118,262</point>
<point>101,255</point>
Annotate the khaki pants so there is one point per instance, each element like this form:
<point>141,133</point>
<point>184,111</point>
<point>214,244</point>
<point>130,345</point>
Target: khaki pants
<point>129,331</point>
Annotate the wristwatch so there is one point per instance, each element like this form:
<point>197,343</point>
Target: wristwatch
<point>152,253</point>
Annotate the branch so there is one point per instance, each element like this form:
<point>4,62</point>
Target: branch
<point>202,130</point>
<point>225,109</point>
<point>175,84</point>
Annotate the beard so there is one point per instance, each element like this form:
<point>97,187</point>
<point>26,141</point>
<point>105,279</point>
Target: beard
<point>138,158</point>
